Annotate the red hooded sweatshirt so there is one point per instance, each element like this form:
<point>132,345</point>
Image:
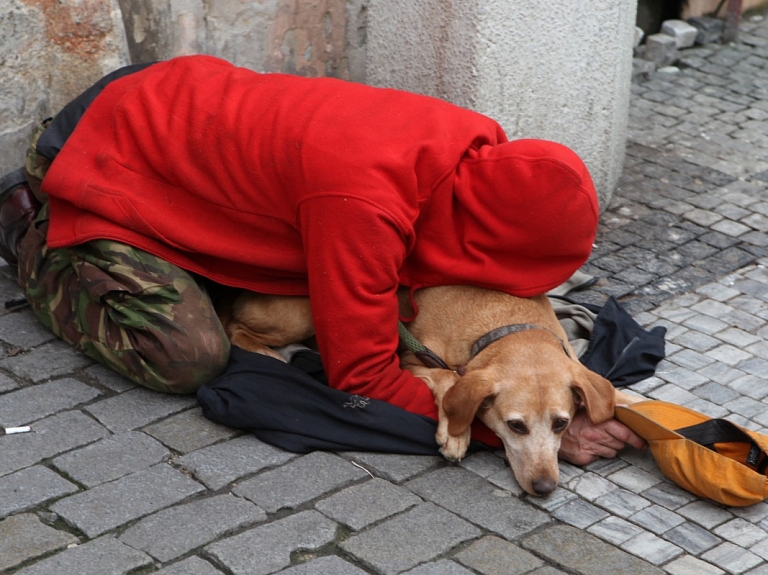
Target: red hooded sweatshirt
<point>321,187</point>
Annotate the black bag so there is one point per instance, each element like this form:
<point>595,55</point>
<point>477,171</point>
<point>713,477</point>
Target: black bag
<point>620,349</point>
<point>283,405</point>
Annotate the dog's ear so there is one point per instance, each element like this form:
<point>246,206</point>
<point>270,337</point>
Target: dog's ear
<point>597,394</point>
<point>462,401</point>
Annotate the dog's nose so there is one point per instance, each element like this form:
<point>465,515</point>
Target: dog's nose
<point>544,486</point>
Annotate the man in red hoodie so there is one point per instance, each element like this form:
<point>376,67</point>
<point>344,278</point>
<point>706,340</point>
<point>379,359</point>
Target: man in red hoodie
<point>193,169</point>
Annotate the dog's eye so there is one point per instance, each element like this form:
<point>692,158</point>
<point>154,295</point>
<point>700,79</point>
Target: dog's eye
<point>560,424</point>
<point>518,427</point>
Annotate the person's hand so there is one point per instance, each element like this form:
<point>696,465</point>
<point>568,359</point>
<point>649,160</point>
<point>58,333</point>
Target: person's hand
<point>583,441</point>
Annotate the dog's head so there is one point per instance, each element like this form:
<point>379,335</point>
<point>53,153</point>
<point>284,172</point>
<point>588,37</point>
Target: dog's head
<point>526,389</point>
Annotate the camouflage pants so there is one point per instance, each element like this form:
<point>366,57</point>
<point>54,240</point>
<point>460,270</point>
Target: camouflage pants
<point>137,314</point>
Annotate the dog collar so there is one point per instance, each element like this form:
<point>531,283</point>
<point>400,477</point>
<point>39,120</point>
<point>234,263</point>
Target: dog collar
<point>505,330</point>
<point>430,359</point>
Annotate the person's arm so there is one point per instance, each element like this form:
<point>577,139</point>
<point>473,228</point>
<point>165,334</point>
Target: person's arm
<point>354,252</point>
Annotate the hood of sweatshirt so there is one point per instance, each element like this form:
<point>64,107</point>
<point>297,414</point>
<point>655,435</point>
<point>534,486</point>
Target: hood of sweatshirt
<point>518,217</point>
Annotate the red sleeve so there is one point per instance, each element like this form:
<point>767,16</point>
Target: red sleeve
<point>354,251</point>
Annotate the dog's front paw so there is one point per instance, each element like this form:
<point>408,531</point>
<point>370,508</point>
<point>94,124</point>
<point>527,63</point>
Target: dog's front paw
<point>453,447</point>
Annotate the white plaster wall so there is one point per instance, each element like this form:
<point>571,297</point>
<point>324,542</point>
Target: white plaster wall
<point>558,70</point>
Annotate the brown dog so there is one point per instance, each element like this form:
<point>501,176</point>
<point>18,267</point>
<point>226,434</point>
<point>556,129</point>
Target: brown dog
<point>525,385</point>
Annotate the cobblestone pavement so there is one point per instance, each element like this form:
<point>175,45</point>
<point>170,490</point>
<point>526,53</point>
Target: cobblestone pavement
<point>115,479</point>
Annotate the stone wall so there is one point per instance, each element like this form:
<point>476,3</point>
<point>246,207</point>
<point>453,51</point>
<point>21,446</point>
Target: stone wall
<point>50,51</point>
<point>558,70</point>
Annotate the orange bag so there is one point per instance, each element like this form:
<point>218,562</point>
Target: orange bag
<point>712,458</point>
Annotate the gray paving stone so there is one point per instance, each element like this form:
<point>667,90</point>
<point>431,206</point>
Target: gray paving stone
<point>622,503</point>
<point>750,385</point>
<point>614,530</point>
<point>583,553</point>
<point>547,571</point>
<point>189,431</point>
<point>109,379</point>
<point>324,566</point>
<point>740,532</point>
<point>760,549</point>
<point>706,514</point>
<point>634,479</point>
<point>506,481</point>
<point>394,467</point>
<point>691,359</point>
<point>173,532</point>
<point>299,481</point>
<point>484,463</point>
<point>138,407</point>
<point>732,558</point>
<point>49,361</point>
<point>696,341</point>
<point>493,556</point>
<point>409,539</point>
<point>30,487</point>
<point>49,437</point>
<point>672,394</point>
<point>111,458</point>
<point>38,401</point>
<point>606,467</point>
<point>99,557</point>
<point>579,513</point>
<point>694,539</point>
<point>268,548</point>
<point>467,495</point>
<point>220,464</point>
<point>24,537</point>
<point>657,519</point>
<point>111,505</point>
<point>7,384</point>
<point>689,565</point>
<point>745,406</point>
<point>683,377</point>
<point>441,567</point>
<point>707,408</point>
<point>361,505</point>
<point>22,329</point>
<point>590,486</point>
<point>190,566</point>
<point>729,354</point>
<point>716,393</point>
<point>652,548</point>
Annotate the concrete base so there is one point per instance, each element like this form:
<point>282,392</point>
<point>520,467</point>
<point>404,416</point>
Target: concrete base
<point>557,70</point>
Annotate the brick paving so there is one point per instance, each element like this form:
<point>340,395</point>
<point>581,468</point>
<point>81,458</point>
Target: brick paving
<point>118,480</point>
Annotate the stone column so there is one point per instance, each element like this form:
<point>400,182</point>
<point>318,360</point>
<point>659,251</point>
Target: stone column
<point>558,70</point>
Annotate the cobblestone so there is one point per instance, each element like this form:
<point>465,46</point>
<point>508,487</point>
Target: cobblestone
<point>116,479</point>
<point>111,458</point>
<point>172,532</point>
<point>405,541</point>
<point>24,537</point>
<point>111,505</point>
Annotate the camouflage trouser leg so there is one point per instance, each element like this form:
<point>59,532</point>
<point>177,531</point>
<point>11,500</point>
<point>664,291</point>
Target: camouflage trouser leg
<point>131,311</point>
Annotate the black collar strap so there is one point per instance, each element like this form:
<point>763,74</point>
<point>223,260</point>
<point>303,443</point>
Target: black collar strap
<point>430,359</point>
<point>505,330</point>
